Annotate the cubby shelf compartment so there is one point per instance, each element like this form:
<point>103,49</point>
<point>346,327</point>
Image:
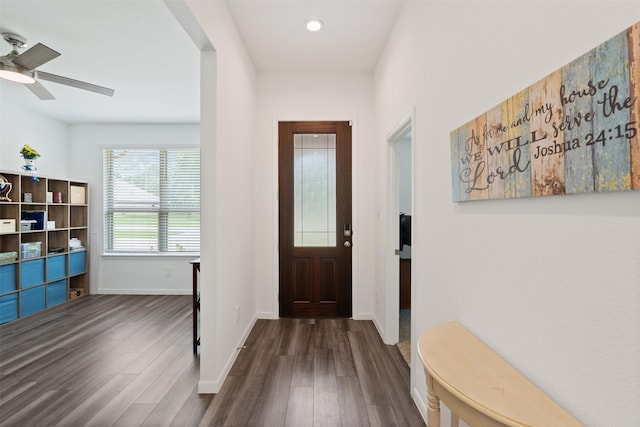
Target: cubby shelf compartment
<point>57,215</point>
<point>77,263</point>
<point>56,267</point>
<point>56,292</point>
<point>8,275</point>
<point>37,267</point>
<point>32,300</point>
<point>78,216</point>
<point>8,307</point>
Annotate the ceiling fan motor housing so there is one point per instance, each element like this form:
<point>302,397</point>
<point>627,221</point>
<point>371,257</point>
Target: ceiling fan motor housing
<point>11,71</point>
<point>15,40</point>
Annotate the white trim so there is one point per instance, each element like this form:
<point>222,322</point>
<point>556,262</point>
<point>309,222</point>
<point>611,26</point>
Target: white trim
<point>366,316</point>
<point>420,404</point>
<point>208,387</point>
<point>354,207</point>
<point>276,220</point>
<point>112,291</point>
<point>154,147</point>
<point>402,129</point>
<point>416,365</point>
<point>355,222</point>
<point>129,255</point>
<point>268,315</point>
<point>391,291</point>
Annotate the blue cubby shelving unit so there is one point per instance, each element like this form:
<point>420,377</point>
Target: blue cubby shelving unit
<point>46,271</point>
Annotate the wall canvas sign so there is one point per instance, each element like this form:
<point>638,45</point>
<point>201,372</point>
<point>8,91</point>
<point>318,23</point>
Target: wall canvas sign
<point>575,131</point>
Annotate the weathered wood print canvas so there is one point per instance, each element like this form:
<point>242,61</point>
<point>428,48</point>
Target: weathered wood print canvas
<point>575,131</point>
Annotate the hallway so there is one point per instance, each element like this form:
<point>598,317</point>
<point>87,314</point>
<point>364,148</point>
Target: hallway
<point>316,372</point>
<point>126,360</point>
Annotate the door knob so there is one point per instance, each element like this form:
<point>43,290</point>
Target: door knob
<point>347,244</point>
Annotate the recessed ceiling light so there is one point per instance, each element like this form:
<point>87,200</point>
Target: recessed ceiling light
<point>314,25</point>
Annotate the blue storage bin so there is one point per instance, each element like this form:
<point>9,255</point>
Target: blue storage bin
<point>56,267</point>
<point>76,263</point>
<point>7,278</point>
<point>8,308</point>
<point>32,301</point>
<point>56,292</point>
<point>31,273</point>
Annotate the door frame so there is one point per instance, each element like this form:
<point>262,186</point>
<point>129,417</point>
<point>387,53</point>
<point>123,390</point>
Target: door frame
<point>355,282</point>
<point>405,127</point>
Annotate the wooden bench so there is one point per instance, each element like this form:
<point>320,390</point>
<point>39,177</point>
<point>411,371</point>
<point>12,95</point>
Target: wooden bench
<point>478,386</point>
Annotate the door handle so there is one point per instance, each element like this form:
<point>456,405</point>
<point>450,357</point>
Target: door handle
<point>347,244</point>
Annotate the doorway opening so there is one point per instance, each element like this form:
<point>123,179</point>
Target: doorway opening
<point>404,246</point>
<point>399,236</point>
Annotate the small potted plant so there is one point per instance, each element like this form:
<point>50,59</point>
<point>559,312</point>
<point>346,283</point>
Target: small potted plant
<point>30,154</point>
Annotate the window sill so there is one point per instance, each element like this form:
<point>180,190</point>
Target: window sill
<point>125,255</point>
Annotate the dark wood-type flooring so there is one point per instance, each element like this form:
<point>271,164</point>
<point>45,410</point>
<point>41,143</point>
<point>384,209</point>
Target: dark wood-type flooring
<point>112,360</point>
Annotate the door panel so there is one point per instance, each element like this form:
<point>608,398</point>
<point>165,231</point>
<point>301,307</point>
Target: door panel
<point>302,287</point>
<point>314,207</point>
<point>329,285</point>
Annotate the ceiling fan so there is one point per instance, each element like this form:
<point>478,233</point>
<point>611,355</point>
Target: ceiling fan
<point>21,68</point>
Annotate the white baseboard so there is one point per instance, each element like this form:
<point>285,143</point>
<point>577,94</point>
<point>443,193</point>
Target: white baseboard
<point>421,404</point>
<point>364,316</point>
<point>268,315</point>
<point>129,291</point>
<point>209,387</point>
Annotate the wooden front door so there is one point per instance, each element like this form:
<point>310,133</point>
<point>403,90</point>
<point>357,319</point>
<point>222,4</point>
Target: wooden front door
<point>315,219</point>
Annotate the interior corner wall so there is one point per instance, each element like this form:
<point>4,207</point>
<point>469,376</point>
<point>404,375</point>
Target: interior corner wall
<point>228,93</point>
<point>19,126</point>
<point>311,97</point>
<point>550,283</point>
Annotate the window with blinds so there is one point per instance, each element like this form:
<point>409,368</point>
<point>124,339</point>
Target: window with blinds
<point>152,201</point>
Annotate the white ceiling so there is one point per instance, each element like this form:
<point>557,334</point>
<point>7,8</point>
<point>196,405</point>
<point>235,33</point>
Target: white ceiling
<point>352,39</point>
<point>139,49</point>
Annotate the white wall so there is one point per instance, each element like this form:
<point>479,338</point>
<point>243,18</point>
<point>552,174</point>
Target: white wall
<point>19,126</point>
<point>227,202</point>
<point>550,283</point>
<point>294,96</point>
<point>116,274</point>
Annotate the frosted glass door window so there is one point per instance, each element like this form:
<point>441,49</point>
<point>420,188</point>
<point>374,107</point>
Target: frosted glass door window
<point>314,176</point>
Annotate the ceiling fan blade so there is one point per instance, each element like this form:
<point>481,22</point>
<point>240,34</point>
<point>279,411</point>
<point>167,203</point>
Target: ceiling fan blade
<point>40,91</point>
<point>35,57</point>
<point>75,83</point>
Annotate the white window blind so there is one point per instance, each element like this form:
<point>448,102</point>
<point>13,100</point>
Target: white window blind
<point>152,200</point>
